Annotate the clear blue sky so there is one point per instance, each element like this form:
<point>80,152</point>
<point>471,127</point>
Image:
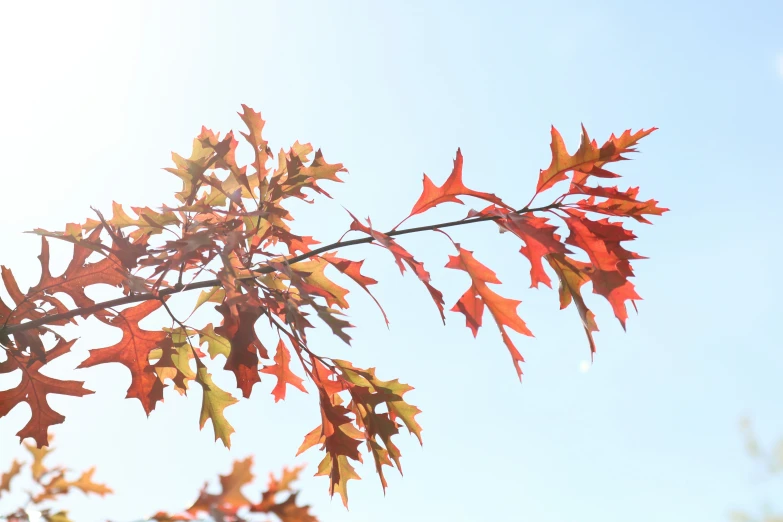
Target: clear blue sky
<point>95,96</point>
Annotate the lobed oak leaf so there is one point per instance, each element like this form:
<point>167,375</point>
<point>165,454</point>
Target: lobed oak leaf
<point>601,241</point>
<point>33,389</point>
<point>450,191</point>
<point>5,478</point>
<point>255,125</point>
<point>191,170</point>
<point>282,371</point>
<point>25,308</point>
<point>239,330</point>
<point>617,202</point>
<point>610,261</point>
<point>148,221</point>
<point>230,499</point>
<point>287,511</point>
<point>312,271</point>
<point>213,402</point>
<point>472,302</point>
<point>572,275</point>
<point>339,475</point>
<point>173,359</point>
<point>319,169</point>
<point>85,483</point>
<point>588,159</point>
<point>133,351</point>
<point>390,392</point>
<point>216,344</point>
<point>79,274</point>
<point>37,467</point>
<point>538,235</point>
<point>212,295</point>
<point>326,314</point>
<point>616,288</point>
<point>340,441</point>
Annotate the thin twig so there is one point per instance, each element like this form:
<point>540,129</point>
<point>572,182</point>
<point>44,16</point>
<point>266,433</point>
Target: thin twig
<point>29,325</point>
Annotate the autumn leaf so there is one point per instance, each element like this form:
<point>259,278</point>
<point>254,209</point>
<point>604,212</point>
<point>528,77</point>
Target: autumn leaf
<point>353,270</point>
<point>174,354</point>
<point>133,352</point>
<point>312,271</point>
<point>229,235</point>
<point>587,157</point>
<point>245,346</point>
<point>539,236</point>
<point>149,221</point>
<point>191,170</point>
<point>255,125</point>
<point>610,261</point>
<point>216,344</point>
<point>453,187</point>
<point>230,499</point>
<point>339,475</point>
<point>5,478</point>
<point>213,402</point>
<point>572,275</point>
<point>33,389</point>
<point>283,372</point>
<point>79,275</point>
<point>472,302</point>
<point>617,203</point>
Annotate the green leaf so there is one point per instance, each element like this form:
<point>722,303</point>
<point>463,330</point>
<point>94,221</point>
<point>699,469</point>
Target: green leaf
<point>213,403</point>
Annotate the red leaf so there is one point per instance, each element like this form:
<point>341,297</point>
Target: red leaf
<point>539,237</point>
<point>610,261</point>
<point>283,372</point>
<point>33,389</point>
<point>240,331</point>
<point>78,275</point>
<point>601,241</point>
<point>472,302</point>
<point>133,352</point>
<point>617,203</point>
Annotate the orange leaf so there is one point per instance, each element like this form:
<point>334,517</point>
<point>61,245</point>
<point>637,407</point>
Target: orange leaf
<point>282,371</point>
<point>472,302</point>
<point>539,237</point>
<point>586,157</point>
<point>617,203</point>
<point>453,187</point>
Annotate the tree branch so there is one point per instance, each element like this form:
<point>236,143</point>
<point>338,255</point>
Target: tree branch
<point>264,270</point>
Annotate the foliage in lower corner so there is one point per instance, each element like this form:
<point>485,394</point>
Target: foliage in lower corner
<point>279,499</point>
<point>52,484</point>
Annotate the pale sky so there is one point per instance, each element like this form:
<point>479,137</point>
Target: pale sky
<point>95,96</point>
